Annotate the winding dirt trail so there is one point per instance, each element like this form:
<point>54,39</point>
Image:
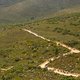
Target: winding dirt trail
<point>58,71</point>
<point>43,65</point>
<point>55,70</point>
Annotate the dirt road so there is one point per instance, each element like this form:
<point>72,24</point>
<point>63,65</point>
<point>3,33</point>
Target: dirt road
<point>58,43</point>
<point>58,71</point>
<point>6,69</point>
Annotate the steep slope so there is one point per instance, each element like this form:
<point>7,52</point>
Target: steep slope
<point>17,10</point>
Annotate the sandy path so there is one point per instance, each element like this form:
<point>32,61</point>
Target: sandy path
<point>6,69</point>
<point>70,48</point>
<point>58,43</point>
<point>35,34</point>
<point>58,71</point>
<point>55,70</point>
<point>63,72</point>
<point>43,65</point>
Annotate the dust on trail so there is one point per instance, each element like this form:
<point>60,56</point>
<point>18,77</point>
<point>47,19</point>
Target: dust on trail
<point>58,71</point>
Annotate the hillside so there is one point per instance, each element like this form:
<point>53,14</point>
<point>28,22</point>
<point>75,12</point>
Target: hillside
<point>29,50</point>
<point>21,53</point>
<point>63,27</point>
<point>22,10</point>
